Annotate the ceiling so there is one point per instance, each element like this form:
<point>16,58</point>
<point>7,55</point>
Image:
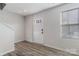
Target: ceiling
<point>28,8</point>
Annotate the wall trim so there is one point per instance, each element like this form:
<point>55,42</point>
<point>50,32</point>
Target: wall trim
<point>7,52</point>
<point>59,49</point>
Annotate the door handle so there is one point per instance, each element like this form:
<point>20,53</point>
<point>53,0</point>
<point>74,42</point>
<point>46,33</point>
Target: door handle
<point>42,31</point>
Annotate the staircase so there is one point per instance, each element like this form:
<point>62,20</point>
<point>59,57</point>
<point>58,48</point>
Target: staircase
<point>7,36</point>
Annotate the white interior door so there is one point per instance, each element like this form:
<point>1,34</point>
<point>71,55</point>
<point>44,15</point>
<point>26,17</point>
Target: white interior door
<point>38,30</point>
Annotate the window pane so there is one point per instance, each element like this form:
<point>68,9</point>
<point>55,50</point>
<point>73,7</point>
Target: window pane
<point>66,31</point>
<point>74,31</point>
<point>65,18</point>
<point>73,16</point>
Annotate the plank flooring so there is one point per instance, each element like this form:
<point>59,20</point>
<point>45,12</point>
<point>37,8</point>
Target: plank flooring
<point>32,49</point>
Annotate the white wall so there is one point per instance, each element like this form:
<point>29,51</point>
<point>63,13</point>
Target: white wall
<point>16,22</point>
<point>28,28</point>
<point>52,27</point>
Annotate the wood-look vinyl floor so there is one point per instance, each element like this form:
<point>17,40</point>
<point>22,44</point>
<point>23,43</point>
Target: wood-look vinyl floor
<point>32,49</point>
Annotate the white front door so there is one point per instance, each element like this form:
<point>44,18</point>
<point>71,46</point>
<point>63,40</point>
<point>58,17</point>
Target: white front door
<point>38,30</point>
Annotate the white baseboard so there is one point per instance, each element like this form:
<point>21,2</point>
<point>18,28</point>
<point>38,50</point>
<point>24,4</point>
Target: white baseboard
<point>28,41</point>
<point>18,41</point>
<point>60,49</point>
<point>7,52</point>
<point>52,46</point>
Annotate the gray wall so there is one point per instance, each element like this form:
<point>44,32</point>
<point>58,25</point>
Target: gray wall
<point>16,22</point>
<point>52,28</point>
<point>28,28</point>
